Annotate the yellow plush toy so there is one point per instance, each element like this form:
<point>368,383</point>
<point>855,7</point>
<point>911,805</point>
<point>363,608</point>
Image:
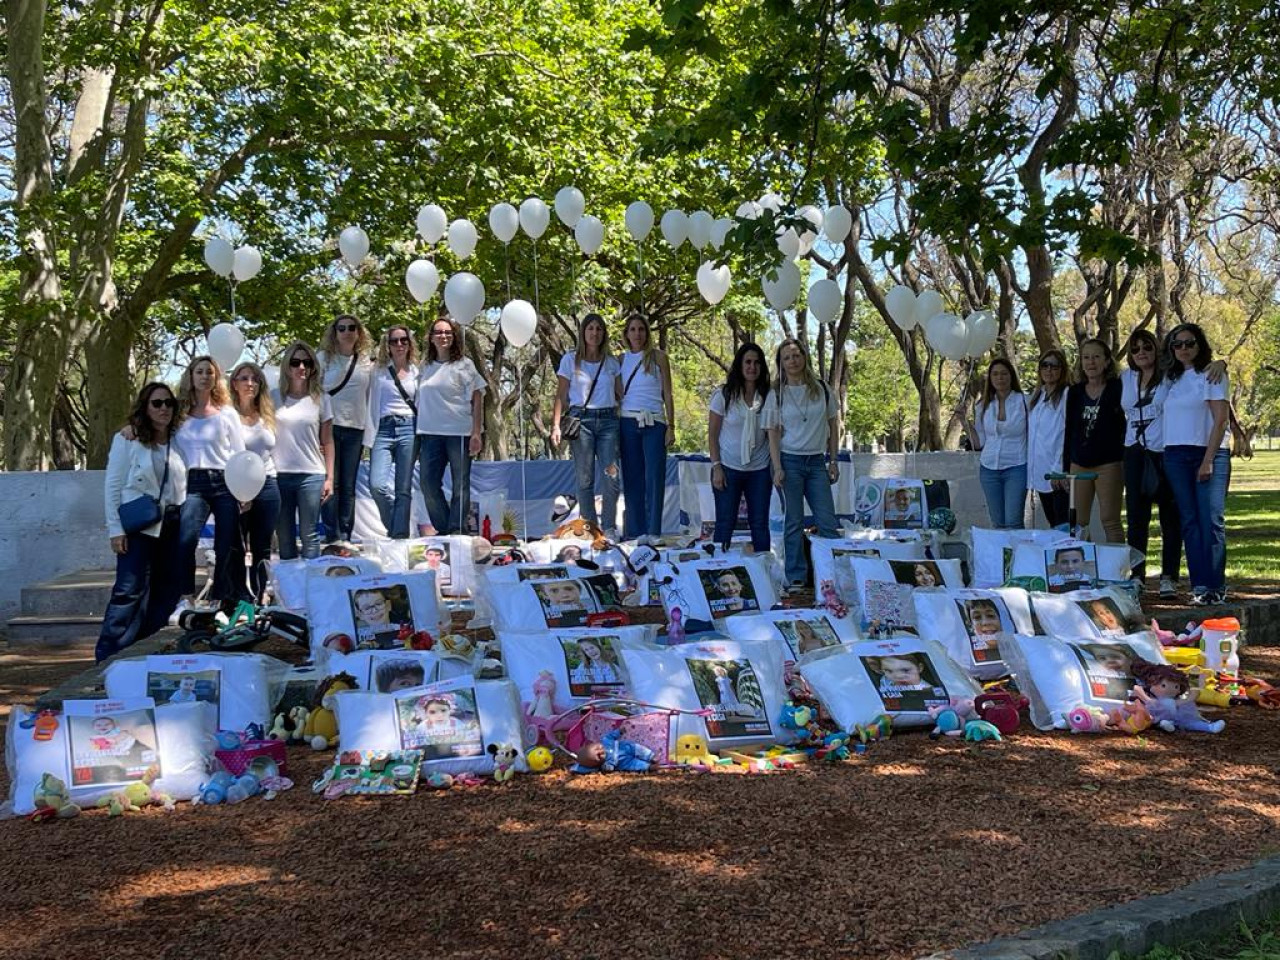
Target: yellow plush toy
<point>691,750</point>
<point>52,800</point>
<point>321,729</point>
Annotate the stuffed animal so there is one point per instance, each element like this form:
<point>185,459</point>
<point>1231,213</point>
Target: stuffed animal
<point>835,746</point>
<point>1086,719</point>
<point>298,718</point>
<point>1162,689</point>
<point>504,761</point>
<point>1130,717</point>
<point>321,729</point>
<point>976,731</point>
<point>881,728</point>
<point>52,800</point>
<point>135,796</point>
<point>691,750</point>
<point>279,729</point>
<point>946,723</point>
<point>613,753</point>
<point>796,717</point>
<point>831,600</point>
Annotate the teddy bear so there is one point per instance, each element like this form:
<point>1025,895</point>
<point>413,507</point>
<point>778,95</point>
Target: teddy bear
<point>52,800</point>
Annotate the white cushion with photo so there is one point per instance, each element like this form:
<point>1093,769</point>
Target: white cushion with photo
<point>580,664</point>
<point>990,562</point>
<point>1058,676</point>
<point>1069,565</point>
<point>912,574</point>
<point>974,625</point>
<point>101,746</point>
<point>714,588</point>
<point>561,550</point>
<point>504,576</point>
<point>371,612</point>
<point>242,687</point>
<point>554,604</point>
<point>1109,612</point>
<point>901,676</point>
<point>290,577</point>
<point>741,684</point>
<point>451,559</point>
<point>453,722</point>
<point>385,671</point>
<point>798,632</point>
<point>825,551</point>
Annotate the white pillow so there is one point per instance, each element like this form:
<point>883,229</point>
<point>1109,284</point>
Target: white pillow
<point>1059,675</point>
<point>554,604</point>
<point>243,688</point>
<point>560,653</point>
<point>368,611</point>
<point>974,625</point>
<point>563,550</point>
<point>824,552</point>
<point>101,746</point>
<point>1087,613</point>
<point>991,564</point>
<point>451,559</point>
<point>741,684</point>
<point>799,632</point>
<point>504,576</point>
<point>1071,564</point>
<point>710,589</point>
<point>911,574</point>
<point>453,722</point>
<point>290,577</point>
<point>902,677</point>
<point>386,671</point>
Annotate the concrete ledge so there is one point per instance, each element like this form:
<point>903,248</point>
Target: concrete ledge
<point>1204,910</point>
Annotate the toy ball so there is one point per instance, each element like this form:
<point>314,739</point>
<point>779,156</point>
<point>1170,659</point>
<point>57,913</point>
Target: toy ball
<point>539,759</point>
<point>942,518</point>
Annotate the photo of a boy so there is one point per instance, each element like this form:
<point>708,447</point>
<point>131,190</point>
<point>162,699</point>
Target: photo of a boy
<point>987,622</point>
<point>433,557</point>
<point>1072,568</point>
<point>379,613</point>
<point>728,590</point>
<point>197,685</point>
<point>402,673</point>
<point>905,681</point>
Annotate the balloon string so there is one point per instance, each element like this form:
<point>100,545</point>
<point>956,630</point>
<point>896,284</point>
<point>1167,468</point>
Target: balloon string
<point>507,248</point>
<point>231,284</point>
<point>524,445</point>
<point>640,261</point>
<point>537,309</point>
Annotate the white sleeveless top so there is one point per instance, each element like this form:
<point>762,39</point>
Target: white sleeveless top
<point>645,392</point>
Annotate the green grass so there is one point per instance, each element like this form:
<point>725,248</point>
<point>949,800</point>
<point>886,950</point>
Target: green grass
<point>1260,942</point>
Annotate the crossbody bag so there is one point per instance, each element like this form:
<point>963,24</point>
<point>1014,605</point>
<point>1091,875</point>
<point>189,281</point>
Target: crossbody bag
<point>571,426</point>
<point>145,511</point>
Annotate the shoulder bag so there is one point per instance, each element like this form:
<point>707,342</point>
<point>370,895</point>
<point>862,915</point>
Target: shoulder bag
<point>355,357</point>
<point>145,511</point>
<point>571,426</point>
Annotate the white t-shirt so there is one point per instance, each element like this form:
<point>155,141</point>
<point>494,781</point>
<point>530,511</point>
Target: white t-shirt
<point>298,422</point>
<point>385,400</point>
<point>1004,442</point>
<point>1150,413</point>
<point>351,405</point>
<point>260,439</point>
<point>804,418</point>
<point>1188,419</point>
<point>645,392</point>
<point>580,377</point>
<point>741,421</point>
<point>444,397</point>
<point>1046,433</point>
<point>207,443</point>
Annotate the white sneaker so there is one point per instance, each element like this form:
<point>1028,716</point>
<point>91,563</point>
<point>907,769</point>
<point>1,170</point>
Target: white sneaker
<point>1168,588</point>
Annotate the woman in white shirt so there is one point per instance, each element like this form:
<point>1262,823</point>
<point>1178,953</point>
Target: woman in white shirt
<point>148,571</point>
<point>1196,462</point>
<point>739,448</point>
<point>450,426</point>
<point>587,385</point>
<point>390,430</point>
<point>1046,432</point>
<point>802,418</point>
<point>346,369</point>
<point>646,429</point>
<point>304,451</point>
<point>207,437</point>
<point>999,431</point>
<point>252,399</point>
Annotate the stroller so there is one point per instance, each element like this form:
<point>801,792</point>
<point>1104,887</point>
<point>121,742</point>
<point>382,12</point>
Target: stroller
<point>243,627</point>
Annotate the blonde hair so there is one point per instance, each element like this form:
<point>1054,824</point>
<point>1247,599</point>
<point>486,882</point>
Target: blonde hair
<point>329,341</point>
<point>262,404</point>
<point>218,396</point>
<point>806,375</point>
<point>384,345</point>
<point>580,348</point>
<point>315,384</point>
<point>649,355</point>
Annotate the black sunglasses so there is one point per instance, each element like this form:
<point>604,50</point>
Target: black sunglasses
<point>346,327</point>
<point>300,362</point>
<point>398,341</point>
<point>1049,365</point>
<point>1182,344</point>
<point>159,404</point>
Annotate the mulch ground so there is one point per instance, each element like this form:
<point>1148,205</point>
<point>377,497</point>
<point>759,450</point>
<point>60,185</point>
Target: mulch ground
<point>916,846</point>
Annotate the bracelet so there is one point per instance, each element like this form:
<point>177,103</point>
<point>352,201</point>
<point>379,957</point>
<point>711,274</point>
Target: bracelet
<point>715,463</point>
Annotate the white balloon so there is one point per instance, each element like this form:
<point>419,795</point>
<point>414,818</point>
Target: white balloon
<point>219,256</point>
<point>713,282</point>
<point>700,224</point>
<point>432,223</point>
<point>825,300</point>
<point>901,304</point>
<point>464,296</point>
<point>813,215</point>
<point>422,278</point>
<point>675,228</point>
<point>983,332</point>
<point>748,210</point>
<point>719,230</point>
<point>789,243</point>
<point>639,220</point>
<point>535,217</point>
<point>504,221</point>
<point>837,223</point>
<point>245,473</point>
<point>771,201</point>
<point>353,244</point>
<point>805,243</point>
<point>519,321</point>
<point>590,234</point>
<point>928,306</point>
<point>947,334</point>
<point>246,263</point>
<point>569,206</point>
<point>782,292</point>
<point>462,238</point>
<point>226,343</point>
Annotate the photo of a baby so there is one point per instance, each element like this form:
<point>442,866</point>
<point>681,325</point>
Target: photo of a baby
<point>987,622</point>
<point>731,691</point>
<point>564,602</point>
<point>807,635</point>
<point>444,726</point>
<point>167,688</point>
<point>1071,567</point>
<point>592,664</point>
<point>378,613</point>
<point>114,748</point>
<point>905,681</point>
<point>1104,613</point>
<point>728,590</point>
<point>1108,669</point>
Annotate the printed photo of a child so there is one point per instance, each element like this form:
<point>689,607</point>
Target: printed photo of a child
<point>564,602</point>
<point>548,572</point>
<point>393,674</point>
<point>728,590</point>
<point>1104,613</point>
<point>987,622</point>
<point>592,664</point>
<point>378,613</point>
<point>917,573</point>
<point>433,556</point>
<point>114,748</point>
<point>444,726</point>
<point>903,509</point>
<point>1072,567</point>
<point>905,681</point>
<point>804,636</point>
<point>731,691</point>
<point>1108,669</point>
<point>167,688</point>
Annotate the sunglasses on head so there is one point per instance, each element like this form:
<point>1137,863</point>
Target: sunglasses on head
<point>160,404</point>
<point>1182,344</point>
<point>398,341</point>
<point>300,362</point>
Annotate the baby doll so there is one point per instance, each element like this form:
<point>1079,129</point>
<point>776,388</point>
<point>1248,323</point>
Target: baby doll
<point>544,692</point>
<point>613,753</point>
<point>1160,687</point>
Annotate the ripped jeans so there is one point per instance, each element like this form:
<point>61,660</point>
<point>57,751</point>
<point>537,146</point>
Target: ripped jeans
<point>597,443</point>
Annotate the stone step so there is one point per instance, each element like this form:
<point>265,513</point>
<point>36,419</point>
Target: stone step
<point>53,631</point>
<point>1259,617</point>
<point>85,593</point>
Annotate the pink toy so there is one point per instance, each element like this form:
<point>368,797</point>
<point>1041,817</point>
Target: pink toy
<point>1085,719</point>
<point>544,695</point>
<point>675,629</point>
<point>831,600</point>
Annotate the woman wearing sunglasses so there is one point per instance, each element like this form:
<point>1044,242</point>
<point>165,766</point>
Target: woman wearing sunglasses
<point>345,372</point>
<point>1046,425</point>
<point>252,399</point>
<point>148,570</point>
<point>304,451</point>
<point>390,430</point>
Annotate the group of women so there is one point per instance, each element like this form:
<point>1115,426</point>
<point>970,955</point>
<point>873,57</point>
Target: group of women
<point>1151,436</point>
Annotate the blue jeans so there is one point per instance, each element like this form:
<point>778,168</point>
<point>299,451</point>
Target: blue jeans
<point>300,495</point>
<point>806,479</point>
<point>757,487</point>
<point>339,511</point>
<point>644,477</point>
<point>435,452</point>
<point>259,524</point>
<point>147,588</point>
<point>207,493</point>
<point>1203,508</point>
<point>597,444</point>
<point>391,473</point>
<point>1006,493</point>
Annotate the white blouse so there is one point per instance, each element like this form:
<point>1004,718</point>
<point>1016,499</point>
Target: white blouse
<point>742,437</point>
<point>444,397</point>
<point>298,422</point>
<point>644,389</point>
<point>260,439</point>
<point>1046,433</point>
<point>1004,442</point>
<point>385,400</point>
<point>207,443</point>
<point>1149,415</point>
<point>1188,416</point>
<point>803,417</point>
<point>580,377</point>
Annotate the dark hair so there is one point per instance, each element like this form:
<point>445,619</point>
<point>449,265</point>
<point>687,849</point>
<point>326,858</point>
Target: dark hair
<point>1204,356</point>
<point>988,394</point>
<point>141,423</point>
<point>1063,382</point>
<point>736,383</point>
<point>1148,673</point>
<point>1146,336</point>
<point>455,348</point>
<point>1109,372</point>
<point>389,671</point>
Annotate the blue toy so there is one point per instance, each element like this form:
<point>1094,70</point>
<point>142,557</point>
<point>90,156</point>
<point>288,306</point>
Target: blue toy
<point>613,753</point>
<point>978,730</point>
<point>795,717</point>
<point>835,746</point>
<point>215,791</point>
<point>246,786</point>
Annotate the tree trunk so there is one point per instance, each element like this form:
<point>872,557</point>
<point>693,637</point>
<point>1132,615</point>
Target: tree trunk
<point>109,386</point>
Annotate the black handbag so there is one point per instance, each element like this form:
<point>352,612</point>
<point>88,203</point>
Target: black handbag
<point>145,511</point>
<point>571,426</point>
<point>1149,484</point>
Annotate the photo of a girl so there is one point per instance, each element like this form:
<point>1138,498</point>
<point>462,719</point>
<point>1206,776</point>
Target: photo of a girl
<point>905,681</point>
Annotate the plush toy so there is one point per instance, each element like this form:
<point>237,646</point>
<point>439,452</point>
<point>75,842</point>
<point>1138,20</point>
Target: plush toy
<point>976,731</point>
<point>298,720</point>
<point>456,645</point>
<point>321,728</point>
<point>544,694</point>
<point>504,761</point>
<point>279,729</point>
<point>946,723</point>
<point>613,753</point>
<point>691,750</point>
<point>1130,717</point>
<point>52,800</point>
<point>675,629</point>
<point>795,717</point>
<point>831,600</point>
<point>881,728</point>
<point>1162,690</point>
<point>246,786</point>
<point>135,796</point>
<point>835,746</point>
<point>1086,719</point>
